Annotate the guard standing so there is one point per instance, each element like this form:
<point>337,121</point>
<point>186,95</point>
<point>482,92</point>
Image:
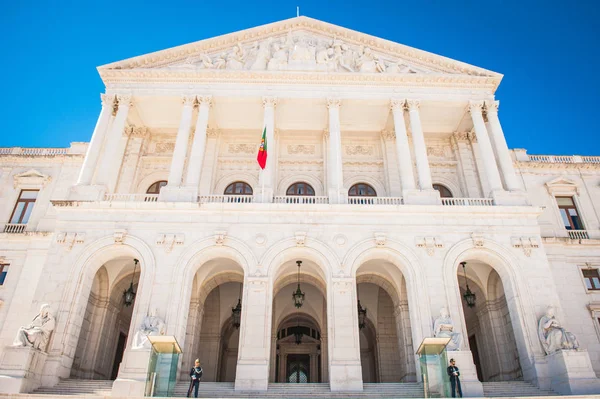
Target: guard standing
<point>195,375</point>
<point>454,375</point>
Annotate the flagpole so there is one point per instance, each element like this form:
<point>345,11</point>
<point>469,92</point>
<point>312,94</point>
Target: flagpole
<point>263,184</point>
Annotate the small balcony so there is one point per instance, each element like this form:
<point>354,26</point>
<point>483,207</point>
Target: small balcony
<point>578,234</point>
<point>14,228</point>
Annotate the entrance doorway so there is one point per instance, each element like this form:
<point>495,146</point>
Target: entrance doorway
<point>298,367</point>
<point>118,355</point>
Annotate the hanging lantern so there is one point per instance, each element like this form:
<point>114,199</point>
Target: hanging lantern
<point>236,313</point>
<point>362,316</point>
<point>469,296</point>
<point>129,293</point>
<point>298,295</point>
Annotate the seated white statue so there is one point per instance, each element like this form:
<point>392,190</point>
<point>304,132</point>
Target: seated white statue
<point>38,332</point>
<point>151,326</point>
<point>444,328</point>
<point>552,336</point>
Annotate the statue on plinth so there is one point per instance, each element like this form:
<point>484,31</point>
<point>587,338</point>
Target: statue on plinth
<point>151,326</point>
<point>38,332</point>
<point>552,336</point>
<point>444,328</point>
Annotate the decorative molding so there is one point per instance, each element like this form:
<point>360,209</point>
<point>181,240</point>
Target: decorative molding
<point>478,240</point>
<point>220,237</point>
<point>388,134</point>
<point>119,236</point>
<point>342,287</point>
<point>475,106</point>
<point>300,237</point>
<point>491,106</point>
<point>269,102</point>
<point>125,99</point>
<point>334,103</point>
<point>525,243</point>
<point>204,100</point>
<point>168,241</point>
<point>164,147</point>
<point>304,149</point>
<point>380,239</point>
<point>242,148</point>
<point>70,239</point>
<point>562,185</point>
<point>136,131</point>
<point>32,177</point>
<point>396,103</point>
<point>360,150</point>
<point>340,240</point>
<point>436,151</point>
<point>429,244</point>
<point>187,100</point>
<point>108,100</point>
<point>260,239</point>
<point>413,104</point>
<point>212,133</point>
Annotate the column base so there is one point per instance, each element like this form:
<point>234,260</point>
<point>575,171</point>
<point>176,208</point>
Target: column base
<point>251,376</point>
<point>178,194</point>
<point>345,376</point>
<point>470,384</point>
<point>571,373</point>
<point>421,197</point>
<point>87,193</point>
<point>338,197</point>
<point>133,372</point>
<point>263,197</point>
<point>21,369</point>
<point>510,198</point>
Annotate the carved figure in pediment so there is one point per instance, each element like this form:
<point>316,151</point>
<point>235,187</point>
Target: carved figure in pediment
<point>236,58</point>
<point>302,51</point>
<point>220,61</point>
<point>369,62</point>
<point>279,60</point>
<point>263,55</point>
<point>206,62</point>
<point>346,57</point>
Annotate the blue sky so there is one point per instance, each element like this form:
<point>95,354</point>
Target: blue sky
<point>548,51</point>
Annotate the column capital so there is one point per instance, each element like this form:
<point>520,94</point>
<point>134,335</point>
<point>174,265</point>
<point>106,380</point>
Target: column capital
<point>413,104</point>
<point>269,102</point>
<point>204,100</point>
<point>388,134</point>
<point>397,103</point>
<point>188,100</point>
<point>475,106</point>
<point>107,99</point>
<point>334,103</point>
<point>125,99</point>
<point>212,132</point>
<point>492,106</point>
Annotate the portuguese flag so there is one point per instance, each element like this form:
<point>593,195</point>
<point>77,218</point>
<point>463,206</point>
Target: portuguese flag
<point>262,151</point>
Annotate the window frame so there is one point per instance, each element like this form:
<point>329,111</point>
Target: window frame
<point>3,266</point>
<point>595,288</point>
<point>159,186</point>
<point>444,187</point>
<point>246,185</point>
<point>306,186</point>
<point>27,201</point>
<point>362,196</point>
<point>566,208</point>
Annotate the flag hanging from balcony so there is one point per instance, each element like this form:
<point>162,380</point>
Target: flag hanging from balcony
<point>262,151</point>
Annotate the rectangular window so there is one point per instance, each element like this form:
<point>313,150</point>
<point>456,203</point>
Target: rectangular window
<point>24,206</point>
<point>3,271</point>
<point>569,214</point>
<point>591,278</point>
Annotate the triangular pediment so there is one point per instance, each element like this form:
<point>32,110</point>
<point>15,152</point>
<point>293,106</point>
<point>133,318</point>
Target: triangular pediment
<point>562,185</point>
<point>31,177</point>
<point>299,44</point>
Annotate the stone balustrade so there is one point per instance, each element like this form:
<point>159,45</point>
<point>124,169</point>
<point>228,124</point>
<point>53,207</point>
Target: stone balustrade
<point>468,201</point>
<point>13,228</point>
<point>578,234</point>
<point>565,159</point>
<point>300,199</point>
<point>131,197</point>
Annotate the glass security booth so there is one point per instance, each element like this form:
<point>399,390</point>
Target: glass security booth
<point>433,363</point>
<point>162,366</point>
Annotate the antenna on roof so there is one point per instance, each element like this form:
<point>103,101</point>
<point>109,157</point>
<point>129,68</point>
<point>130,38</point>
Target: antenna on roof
<point>297,11</point>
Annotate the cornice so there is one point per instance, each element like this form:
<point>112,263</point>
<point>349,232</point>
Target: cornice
<point>524,165</point>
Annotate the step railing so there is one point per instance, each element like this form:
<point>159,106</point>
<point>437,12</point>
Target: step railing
<point>131,197</point>
<point>14,228</point>
<point>578,234</point>
<point>226,199</point>
<point>467,201</point>
<point>375,200</point>
<point>300,199</point>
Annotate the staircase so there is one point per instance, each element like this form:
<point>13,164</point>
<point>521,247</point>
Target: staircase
<point>514,388</point>
<point>73,387</point>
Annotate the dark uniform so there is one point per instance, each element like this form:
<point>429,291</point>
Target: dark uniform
<point>454,380</point>
<point>195,375</point>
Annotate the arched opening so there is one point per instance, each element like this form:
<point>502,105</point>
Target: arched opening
<point>300,188</point>
<point>212,333</point>
<point>156,186</point>
<point>386,347</point>
<point>299,338</point>
<point>362,190</point>
<point>238,188</point>
<point>106,321</point>
<point>488,323</point>
<point>443,190</point>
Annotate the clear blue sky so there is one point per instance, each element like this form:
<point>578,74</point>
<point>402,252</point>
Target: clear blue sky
<point>548,51</point>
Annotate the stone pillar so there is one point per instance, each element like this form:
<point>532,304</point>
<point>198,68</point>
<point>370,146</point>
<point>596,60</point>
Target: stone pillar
<point>405,165</point>
<point>131,159</point>
<point>93,151</point>
<point>390,163</point>
<point>252,372</point>
<point>211,156</point>
<point>336,191</point>
<point>194,168</point>
<point>502,152</point>
<point>345,370</point>
<point>172,191</point>
<point>267,175</point>
<point>485,146</point>
<point>111,163</point>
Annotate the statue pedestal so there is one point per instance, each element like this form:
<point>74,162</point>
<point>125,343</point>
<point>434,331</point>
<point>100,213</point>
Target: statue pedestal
<point>471,386</point>
<point>21,369</point>
<point>133,373</point>
<point>571,373</point>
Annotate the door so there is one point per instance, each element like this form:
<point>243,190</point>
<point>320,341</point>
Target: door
<point>475,353</point>
<point>118,355</point>
<point>298,369</point>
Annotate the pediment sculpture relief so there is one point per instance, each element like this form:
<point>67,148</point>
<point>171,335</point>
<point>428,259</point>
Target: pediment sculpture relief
<point>299,51</point>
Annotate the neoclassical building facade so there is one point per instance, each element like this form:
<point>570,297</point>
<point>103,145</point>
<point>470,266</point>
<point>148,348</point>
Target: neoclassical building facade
<point>388,178</point>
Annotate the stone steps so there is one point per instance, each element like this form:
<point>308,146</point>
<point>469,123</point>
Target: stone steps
<point>74,387</point>
<point>514,388</point>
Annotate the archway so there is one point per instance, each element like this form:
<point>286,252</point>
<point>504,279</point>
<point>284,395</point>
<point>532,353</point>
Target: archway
<point>106,321</point>
<point>488,323</point>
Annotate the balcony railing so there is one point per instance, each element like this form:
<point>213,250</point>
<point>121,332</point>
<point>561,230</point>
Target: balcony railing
<point>564,159</point>
<point>12,228</point>
<point>226,199</point>
<point>375,200</point>
<point>468,201</point>
<point>131,197</point>
<point>300,199</point>
<point>578,234</point>
<point>33,151</point>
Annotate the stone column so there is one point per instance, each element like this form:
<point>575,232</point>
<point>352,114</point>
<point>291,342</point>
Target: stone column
<point>423,170</point>
<point>211,156</point>
<point>131,159</point>
<point>93,151</point>
<point>337,194</point>
<point>252,372</point>
<point>502,152</point>
<point>345,371</point>
<point>485,146</point>
<point>267,175</point>
<point>110,165</point>
<point>194,168</point>
<point>405,165</point>
<point>390,163</point>
<point>181,142</point>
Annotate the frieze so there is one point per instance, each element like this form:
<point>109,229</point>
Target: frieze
<point>162,148</point>
<point>359,150</point>
<point>242,148</point>
<point>304,149</point>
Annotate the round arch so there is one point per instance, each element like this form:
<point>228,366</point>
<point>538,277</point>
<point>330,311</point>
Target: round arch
<point>450,184</point>
<point>373,182</point>
<point>382,282</point>
<point>224,181</point>
<point>287,181</point>
<point>149,179</point>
